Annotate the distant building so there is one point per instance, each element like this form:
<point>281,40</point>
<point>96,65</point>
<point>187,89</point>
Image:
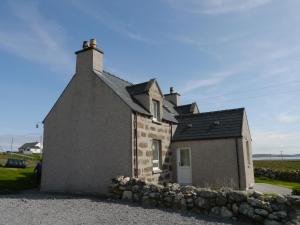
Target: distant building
<point>31,147</point>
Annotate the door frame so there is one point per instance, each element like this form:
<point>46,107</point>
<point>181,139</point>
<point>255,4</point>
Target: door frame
<point>177,162</point>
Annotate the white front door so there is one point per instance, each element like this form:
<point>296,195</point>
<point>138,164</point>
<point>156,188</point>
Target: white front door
<point>184,166</point>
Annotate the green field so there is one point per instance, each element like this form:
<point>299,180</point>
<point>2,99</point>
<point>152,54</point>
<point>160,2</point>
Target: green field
<point>31,159</point>
<point>13,179</point>
<point>287,184</point>
<point>278,164</point>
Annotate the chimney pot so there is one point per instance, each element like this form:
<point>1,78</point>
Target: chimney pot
<point>85,44</point>
<point>93,43</point>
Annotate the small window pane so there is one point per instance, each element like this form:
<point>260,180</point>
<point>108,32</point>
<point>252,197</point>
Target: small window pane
<point>184,157</point>
<point>155,108</point>
<point>156,154</point>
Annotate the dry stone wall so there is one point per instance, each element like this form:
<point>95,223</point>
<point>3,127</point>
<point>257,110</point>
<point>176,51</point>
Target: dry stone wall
<point>147,131</point>
<point>225,203</point>
<point>291,175</point>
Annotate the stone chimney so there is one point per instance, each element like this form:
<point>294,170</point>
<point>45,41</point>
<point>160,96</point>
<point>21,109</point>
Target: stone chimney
<point>173,97</point>
<point>89,57</point>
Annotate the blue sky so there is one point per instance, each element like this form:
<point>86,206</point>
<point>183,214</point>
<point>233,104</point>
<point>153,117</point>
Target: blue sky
<point>220,53</point>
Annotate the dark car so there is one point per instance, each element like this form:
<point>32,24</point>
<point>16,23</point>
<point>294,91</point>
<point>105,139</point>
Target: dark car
<point>15,163</point>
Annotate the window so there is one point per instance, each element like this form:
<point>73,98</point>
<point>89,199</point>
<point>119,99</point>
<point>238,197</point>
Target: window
<point>155,109</point>
<point>185,157</point>
<point>156,151</point>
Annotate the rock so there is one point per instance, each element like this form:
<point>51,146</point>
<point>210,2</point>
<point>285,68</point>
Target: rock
<point>237,196</point>
<point>272,222</point>
<point>235,209</point>
<point>280,214</point>
<point>135,188</point>
<point>127,196</point>
<point>261,212</point>
<point>246,210</point>
<point>221,199</point>
<point>202,203</point>
<point>215,211</point>
<point>136,197</point>
<point>256,203</point>
<point>206,193</point>
<point>226,213</point>
<point>281,199</point>
<point>273,216</point>
<point>257,194</point>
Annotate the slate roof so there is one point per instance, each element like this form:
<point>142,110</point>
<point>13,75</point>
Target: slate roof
<point>185,109</point>
<point>125,89</point>
<point>29,145</point>
<point>210,125</point>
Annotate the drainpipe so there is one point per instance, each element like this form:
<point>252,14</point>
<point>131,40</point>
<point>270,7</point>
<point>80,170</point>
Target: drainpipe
<point>238,162</point>
<point>135,147</point>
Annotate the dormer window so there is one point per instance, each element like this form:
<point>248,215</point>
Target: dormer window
<point>155,109</point>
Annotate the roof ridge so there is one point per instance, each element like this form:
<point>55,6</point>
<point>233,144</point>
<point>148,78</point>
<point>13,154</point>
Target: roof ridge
<point>113,75</point>
<point>211,112</point>
<point>184,105</point>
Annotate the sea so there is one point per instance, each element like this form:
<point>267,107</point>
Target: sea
<point>277,158</point>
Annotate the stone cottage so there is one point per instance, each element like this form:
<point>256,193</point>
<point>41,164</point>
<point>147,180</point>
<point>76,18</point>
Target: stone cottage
<point>103,126</point>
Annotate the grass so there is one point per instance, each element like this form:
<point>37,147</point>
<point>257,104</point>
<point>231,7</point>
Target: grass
<point>31,159</point>
<point>281,183</point>
<point>15,179</point>
<point>278,164</point>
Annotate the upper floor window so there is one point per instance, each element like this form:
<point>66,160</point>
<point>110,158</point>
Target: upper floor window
<point>155,109</point>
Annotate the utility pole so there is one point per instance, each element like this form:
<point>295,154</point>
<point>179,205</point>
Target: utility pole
<point>281,154</point>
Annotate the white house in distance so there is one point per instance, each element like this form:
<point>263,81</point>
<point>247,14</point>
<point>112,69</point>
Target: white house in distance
<point>31,147</point>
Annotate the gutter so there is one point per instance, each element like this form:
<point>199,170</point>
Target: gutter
<point>238,162</point>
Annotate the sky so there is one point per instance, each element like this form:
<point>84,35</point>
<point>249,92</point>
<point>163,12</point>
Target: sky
<point>221,54</point>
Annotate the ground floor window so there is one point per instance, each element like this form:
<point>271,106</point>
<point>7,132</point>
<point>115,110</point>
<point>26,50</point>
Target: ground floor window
<point>156,151</point>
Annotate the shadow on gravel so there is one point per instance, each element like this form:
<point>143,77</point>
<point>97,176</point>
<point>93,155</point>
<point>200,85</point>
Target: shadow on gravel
<point>36,195</point>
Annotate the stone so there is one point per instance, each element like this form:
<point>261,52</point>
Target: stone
<point>202,203</point>
<point>246,210</point>
<point>257,194</point>
<point>221,199</point>
<point>281,199</point>
<point>127,196</point>
<point>237,196</point>
<point>272,222</point>
<point>256,203</point>
<point>215,211</point>
<point>261,212</point>
<point>281,214</point>
<point>206,193</point>
<point>225,213</point>
<point>235,209</point>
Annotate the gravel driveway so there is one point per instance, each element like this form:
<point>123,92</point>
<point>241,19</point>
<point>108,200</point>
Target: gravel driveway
<point>33,209</point>
<point>269,188</point>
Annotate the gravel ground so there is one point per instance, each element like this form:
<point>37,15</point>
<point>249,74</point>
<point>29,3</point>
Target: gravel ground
<point>269,188</point>
<point>34,209</point>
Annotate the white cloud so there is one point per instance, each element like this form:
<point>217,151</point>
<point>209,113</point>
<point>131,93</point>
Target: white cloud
<point>287,118</point>
<point>28,34</point>
<point>214,7</point>
<point>103,17</point>
<point>274,142</point>
<point>214,79</point>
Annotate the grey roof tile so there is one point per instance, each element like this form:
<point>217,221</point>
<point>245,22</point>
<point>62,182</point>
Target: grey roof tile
<point>125,89</point>
<point>217,124</point>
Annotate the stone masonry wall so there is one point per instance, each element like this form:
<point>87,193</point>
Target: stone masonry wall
<point>224,203</point>
<point>147,130</point>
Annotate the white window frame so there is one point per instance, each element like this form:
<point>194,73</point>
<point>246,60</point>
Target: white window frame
<point>156,143</point>
<point>155,110</point>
